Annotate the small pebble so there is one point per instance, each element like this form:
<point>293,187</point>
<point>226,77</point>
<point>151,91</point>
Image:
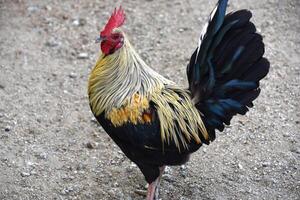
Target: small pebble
<point>65,17</point>
<point>7,129</point>
<point>72,75</point>
<point>94,120</point>
<point>168,170</point>
<point>240,166</point>
<point>183,171</point>
<point>131,167</point>
<point>96,134</point>
<point>116,184</point>
<point>33,172</point>
<point>47,7</point>
<point>79,22</point>
<point>183,29</point>
<point>80,167</point>
<point>168,177</point>
<point>83,55</point>
<point>91,145</point>
<point>286,134</point>
<point>52,43</point>
<point>25,174</point>
<point>32,8</point>
<point>29,163</point>
<point>67,190</point>
<point>42,156</point>
<point>294,150</point>
<point>141,192</point>
<point>265,164</point>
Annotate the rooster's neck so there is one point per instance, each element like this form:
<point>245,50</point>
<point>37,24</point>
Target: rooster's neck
<point>117,79</point>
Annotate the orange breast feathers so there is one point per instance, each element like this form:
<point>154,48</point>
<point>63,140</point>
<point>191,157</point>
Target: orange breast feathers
<point>135,110</point>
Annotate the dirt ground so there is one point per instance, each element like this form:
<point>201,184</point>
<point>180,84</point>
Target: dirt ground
<point>51,146</point>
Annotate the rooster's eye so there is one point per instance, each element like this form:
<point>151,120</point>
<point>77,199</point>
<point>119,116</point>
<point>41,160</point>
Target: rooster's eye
<point>115,37</point>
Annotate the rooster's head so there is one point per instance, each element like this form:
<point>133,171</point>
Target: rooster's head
<point>111,39</point>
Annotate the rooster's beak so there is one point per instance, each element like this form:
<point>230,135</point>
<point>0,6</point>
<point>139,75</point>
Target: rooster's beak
<point>99,39</point>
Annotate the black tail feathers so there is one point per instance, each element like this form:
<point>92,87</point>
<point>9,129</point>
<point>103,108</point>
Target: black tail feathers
<point>225,70</point>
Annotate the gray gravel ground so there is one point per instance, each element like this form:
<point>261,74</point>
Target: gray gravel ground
<point>52,148</point>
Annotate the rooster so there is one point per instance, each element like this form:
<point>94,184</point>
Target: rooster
<point>156,122</point>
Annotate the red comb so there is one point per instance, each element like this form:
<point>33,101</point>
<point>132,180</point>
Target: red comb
<point>116,20</point>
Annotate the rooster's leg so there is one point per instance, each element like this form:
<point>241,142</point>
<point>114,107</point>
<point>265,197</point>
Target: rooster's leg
<point>161,171</point>
<point>153,188</point>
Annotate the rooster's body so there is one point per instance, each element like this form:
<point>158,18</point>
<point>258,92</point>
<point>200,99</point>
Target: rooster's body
<point>156,122</point>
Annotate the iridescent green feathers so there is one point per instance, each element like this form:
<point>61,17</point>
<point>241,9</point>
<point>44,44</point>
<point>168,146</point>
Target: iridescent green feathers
<point>225,69</point>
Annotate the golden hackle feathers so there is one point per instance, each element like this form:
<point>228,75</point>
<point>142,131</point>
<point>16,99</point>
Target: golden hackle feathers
<point>122,86</point>
<point>116,78</point>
